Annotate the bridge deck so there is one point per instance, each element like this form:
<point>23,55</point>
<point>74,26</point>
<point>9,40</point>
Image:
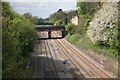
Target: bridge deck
<point>49,27</point>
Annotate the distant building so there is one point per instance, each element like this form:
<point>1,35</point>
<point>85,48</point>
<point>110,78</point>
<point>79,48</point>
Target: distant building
<point>75,20</point>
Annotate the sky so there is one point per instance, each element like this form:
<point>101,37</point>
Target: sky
<point>42,9</point>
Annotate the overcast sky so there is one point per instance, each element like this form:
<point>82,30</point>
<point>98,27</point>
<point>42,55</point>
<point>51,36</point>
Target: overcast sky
<point>44,8</point>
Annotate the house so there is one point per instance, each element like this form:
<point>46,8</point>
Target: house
<point>75,20</point>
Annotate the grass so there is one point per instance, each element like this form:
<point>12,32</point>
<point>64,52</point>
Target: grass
<point>73,38</point>
<point>81,39</point>
<point>86,43</point>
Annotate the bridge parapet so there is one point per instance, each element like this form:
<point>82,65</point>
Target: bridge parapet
<point>50,28</point>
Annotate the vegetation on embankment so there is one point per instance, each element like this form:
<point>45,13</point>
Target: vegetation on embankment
<point>18,40</point>
<point>84,34</point>
<point>61,17</point>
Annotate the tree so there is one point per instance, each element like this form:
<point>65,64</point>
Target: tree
<point>70,14</point>
<point>70,28</point>
<point>33,19</point>
<point>87,7</point>
<point>60,10</point>
<point>58,16</point>
<point>27,15</point>
<point>18,39</point>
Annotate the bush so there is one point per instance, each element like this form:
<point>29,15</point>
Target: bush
<point>26,32</point>
<point>87,7</point>
<point>57,23</point>
<point>18,39</point>
<point>86,11</point>
<point>70,28</point>
<point>59,16</point>
<point>113,46</point>
<point>85,42</point>
<point>73,38</point>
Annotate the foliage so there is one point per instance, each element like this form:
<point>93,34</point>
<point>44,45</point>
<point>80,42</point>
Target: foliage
<point>57,23</point>
<point>113,46</point>
<point>42,21</point>
<point>74,38</point>
<point>58,17</point>
<point>33,19</point>
<point>27,35</point>
<point>62,18</point>
<point>85,42</point>
<point>87,7</point>
<point>37,21</point>
<point>70,14</point>
<point>86,11</point>
<point>18,40</point>
<point>27,15</point>
<point>70,28</point>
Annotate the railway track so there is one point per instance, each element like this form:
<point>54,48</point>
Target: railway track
<point>59,59</point>
<point>93,70</point>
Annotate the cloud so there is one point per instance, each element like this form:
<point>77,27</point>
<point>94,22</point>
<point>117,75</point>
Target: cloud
<point>41,9</point>
<point>59,0</point>
<point>27,4</point>
<point>40,0</point>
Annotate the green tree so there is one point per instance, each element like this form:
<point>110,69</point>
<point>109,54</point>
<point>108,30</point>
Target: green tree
<point>70,14</point>
<point>33,19</point>
<point>58,16</point>
<point>87,7</point>
<point>18,39</point>
<point>27,15</point>
<point>70,28</point>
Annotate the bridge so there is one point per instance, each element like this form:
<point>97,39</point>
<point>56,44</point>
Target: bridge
<point>51,28</point>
